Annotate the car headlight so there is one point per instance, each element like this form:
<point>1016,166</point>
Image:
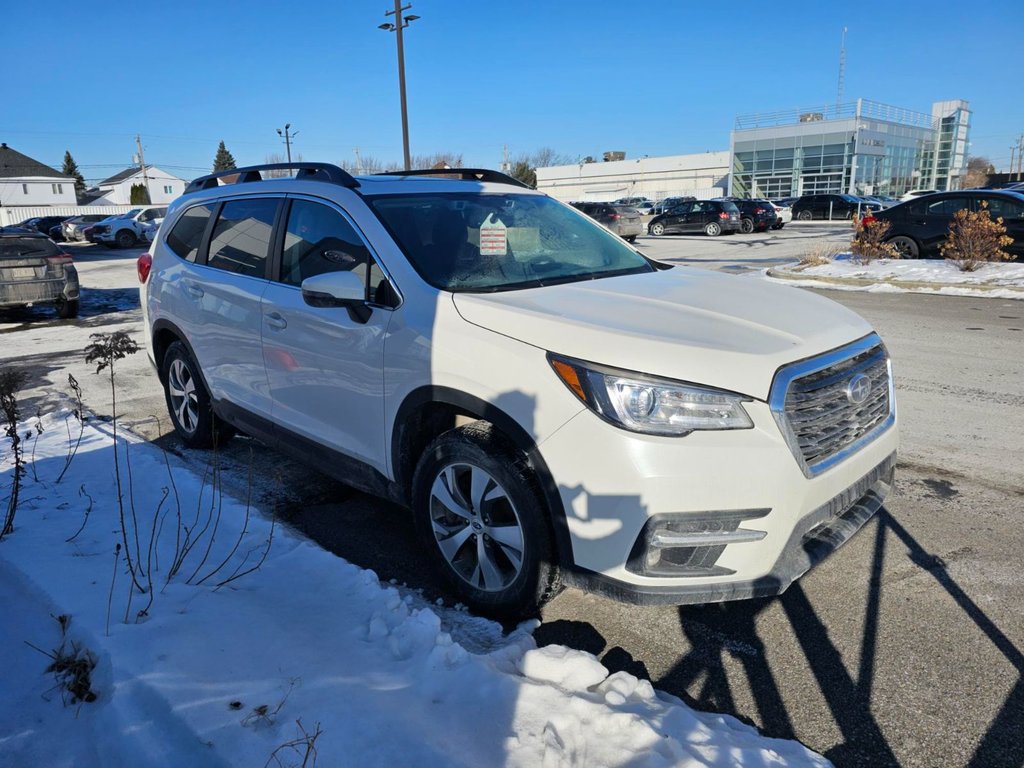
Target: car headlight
<point>642,403</point>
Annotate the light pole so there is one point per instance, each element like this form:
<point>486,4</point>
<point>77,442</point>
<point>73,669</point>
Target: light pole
<point>287,139</point>
<point>400,23</point>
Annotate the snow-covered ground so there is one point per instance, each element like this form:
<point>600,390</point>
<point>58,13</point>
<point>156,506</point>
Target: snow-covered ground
<point>995,280</point>
<point>307,656</point>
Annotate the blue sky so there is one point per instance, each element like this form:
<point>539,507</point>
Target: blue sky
<point>581,78</point>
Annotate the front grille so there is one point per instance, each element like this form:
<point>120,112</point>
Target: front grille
<point>813,406</point>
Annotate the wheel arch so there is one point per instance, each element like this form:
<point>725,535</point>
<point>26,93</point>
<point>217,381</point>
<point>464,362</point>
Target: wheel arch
<point>429,410</point>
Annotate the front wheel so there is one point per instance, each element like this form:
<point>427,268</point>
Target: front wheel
<point>188,402</point>
<point>657,229</point>
<point>906,247</point>
<point>713,229</point>
<point>124,239</point>
<point>480,514</point>
<point>804,215</point>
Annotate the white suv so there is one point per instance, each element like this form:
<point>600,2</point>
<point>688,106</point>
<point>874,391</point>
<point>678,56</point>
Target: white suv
<point>552,405</point>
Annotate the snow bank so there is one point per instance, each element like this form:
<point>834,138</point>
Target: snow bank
<point>308,642</point>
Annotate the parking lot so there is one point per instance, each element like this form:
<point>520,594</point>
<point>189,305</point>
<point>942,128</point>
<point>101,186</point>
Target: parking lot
<point>902,649</point>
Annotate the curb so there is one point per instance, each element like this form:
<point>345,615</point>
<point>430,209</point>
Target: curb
<point>907,284</point>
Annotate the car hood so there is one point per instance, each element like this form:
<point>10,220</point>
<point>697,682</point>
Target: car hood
<point>688,324</point>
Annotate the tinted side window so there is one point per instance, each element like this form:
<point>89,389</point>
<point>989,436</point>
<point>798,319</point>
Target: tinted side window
<point>318,239</point>
<point>1005,208</point>
<point>241,237</point>
<point>187,234</point>
<point>947,206</point>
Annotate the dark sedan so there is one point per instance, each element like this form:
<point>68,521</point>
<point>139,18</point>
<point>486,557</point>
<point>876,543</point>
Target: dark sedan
<point>918,227</point>
<point>831,206</point>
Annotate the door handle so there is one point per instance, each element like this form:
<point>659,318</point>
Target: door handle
<point>276,321</point>
<point>194,290</point>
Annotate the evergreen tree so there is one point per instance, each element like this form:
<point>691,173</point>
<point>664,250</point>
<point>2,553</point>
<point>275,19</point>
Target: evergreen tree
<point>71,169</point>
<point>224,160</point>
<point>139,195</point>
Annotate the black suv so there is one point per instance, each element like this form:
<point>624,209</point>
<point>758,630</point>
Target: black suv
<point>755,215</point>
<point>831,207</point>
<point>712,217</point>
<point>918,227</point>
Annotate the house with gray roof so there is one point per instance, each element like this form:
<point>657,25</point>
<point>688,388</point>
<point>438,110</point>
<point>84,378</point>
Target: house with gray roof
<point>163,187</point>
<point>27,182</point>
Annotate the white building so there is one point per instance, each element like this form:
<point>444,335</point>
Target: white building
<point>27,182</point>
<point>703,176</point>
<point>163,187</point>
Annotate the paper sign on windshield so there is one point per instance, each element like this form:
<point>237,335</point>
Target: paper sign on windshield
<point>493,237</point>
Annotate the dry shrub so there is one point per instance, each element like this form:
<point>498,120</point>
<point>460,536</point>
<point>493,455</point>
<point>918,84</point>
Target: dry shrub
<point>820,253</point>
<point>869,243</point>
<point>975,239</point>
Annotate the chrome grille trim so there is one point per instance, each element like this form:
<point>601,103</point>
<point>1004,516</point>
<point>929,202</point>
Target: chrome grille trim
<point>808,400</point>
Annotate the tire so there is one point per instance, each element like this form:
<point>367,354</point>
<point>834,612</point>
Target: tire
<point>188,402</point>
<point>746,226</point>
<point>712,229</point>
<point>657,229</point>
<point>907,247</point>
<point>630,238</point>
<point>506,526</point>
<point>125,238</point>
<point>805,215</point>
<point>66,308</point>
<point>780,226</point>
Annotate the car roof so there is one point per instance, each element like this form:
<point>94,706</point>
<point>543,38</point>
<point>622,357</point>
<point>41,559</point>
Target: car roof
<point>20,232</point>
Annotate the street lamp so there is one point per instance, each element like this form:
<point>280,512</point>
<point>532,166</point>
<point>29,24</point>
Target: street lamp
<point>400,23</point>
<point>287,139</point>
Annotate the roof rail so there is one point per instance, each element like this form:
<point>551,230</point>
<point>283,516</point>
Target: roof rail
<point>466,174</point>
<point>311,171</point>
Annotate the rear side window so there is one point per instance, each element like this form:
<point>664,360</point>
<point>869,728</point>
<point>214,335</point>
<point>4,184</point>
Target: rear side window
<point>16,247</point>
<point>1008,210</point>
<point>318,239</point>
<point>946,206</point>
<point>241,236</point>
<point>187,235</point>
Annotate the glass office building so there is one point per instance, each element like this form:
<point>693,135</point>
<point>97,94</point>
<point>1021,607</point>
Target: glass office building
<point>860,148</point>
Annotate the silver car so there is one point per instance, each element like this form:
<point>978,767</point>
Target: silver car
<point>33,270</point>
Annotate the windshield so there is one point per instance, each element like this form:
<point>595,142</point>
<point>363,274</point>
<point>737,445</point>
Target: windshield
<point>465,241</point>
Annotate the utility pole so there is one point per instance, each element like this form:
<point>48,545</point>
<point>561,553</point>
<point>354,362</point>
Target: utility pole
<point>359,162</point>
<point>400,23</point>
<point>1013,148</point>
<point>287,140</point>
<point>142,164</point>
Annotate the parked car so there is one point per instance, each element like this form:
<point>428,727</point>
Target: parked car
<point>33,270</point>
<point>663,205</point>
<point>127,229</point>
<point>42,224</point>
<point>644,208</point>
<point>917,193</point>
<point>553,406</point>
<point>785,202</point>
<point>783,213</point>
<point>630,201</point>
<point>623,220</point>
<point>831,207</point>
<point>72,228</point>
<point>918,227</point>
<point>712,217</point>
<point>755,215</point>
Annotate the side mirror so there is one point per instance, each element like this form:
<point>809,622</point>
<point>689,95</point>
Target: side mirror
<point>337,289</point>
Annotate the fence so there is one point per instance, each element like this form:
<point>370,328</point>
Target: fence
<point>15,214</point>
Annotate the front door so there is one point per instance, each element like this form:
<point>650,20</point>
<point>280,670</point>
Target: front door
<point>325,368</point>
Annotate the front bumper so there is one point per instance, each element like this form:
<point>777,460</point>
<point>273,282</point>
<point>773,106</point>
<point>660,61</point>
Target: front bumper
<point>611,495</point>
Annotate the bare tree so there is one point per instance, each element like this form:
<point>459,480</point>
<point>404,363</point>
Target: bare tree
<point>978,171</point>
<point>437,160</point>
<point>277,157</point>
<point>525,165</point>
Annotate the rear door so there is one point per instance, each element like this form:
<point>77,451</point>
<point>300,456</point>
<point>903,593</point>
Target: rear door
<point>1011,211</point>
<point>325,368</point>
<point>222,294</point>
<point>928,219</point>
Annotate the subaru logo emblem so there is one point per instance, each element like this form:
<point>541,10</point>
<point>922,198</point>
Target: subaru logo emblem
<point>858,389</point>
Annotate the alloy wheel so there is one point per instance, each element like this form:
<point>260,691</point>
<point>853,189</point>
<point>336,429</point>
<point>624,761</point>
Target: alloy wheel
<point>476,527</point>
<point>181,386</point>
